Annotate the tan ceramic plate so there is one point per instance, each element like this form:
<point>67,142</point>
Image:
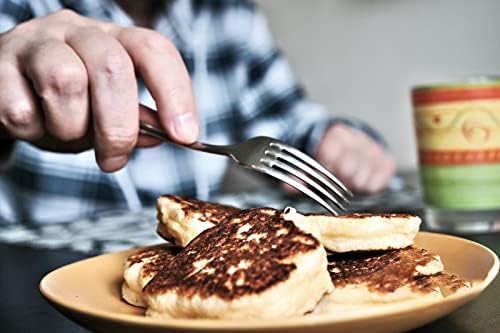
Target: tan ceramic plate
<point>88,292</point>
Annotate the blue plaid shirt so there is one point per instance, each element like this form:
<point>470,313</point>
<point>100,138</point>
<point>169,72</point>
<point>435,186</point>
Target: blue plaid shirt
<point>243,88</point>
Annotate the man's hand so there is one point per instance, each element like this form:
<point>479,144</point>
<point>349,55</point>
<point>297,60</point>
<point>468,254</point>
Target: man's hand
<point>357,160</point>
<point>67,83</point>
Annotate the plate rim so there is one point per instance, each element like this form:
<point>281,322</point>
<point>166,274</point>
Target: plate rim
<point>252,324</point>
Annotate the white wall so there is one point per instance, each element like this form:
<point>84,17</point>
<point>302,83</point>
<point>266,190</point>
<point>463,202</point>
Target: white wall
<point>362,56</point>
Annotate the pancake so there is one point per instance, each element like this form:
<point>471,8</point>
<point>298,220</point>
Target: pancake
<point>141,267</point>
<point>441,284</point>
<point>447,284</point>
<point>359,232</point>
<point>254,265</point>
<point>181,219</point>
<point>383,276</point>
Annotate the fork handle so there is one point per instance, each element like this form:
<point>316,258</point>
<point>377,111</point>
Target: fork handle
<point>148,129</point>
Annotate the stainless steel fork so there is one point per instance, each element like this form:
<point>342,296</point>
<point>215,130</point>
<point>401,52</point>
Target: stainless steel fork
<point>279,160</point>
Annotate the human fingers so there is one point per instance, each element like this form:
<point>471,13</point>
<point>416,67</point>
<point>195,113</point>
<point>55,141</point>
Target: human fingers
<point>160,65</point>
<point>382,175</point>
<point>369,158</point>
<point>60,81</point>
<point>331,149</point>
<point>19,114</point>
<point>375,165</point>
<point>175,103</point>
<point>355,158</point>
<point>113,95</point>
<point>373,168</point>
<point>338,152</point>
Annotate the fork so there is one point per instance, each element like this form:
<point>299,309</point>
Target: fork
<point>279,160</point>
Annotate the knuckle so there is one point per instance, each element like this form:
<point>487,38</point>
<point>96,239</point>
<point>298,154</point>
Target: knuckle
<point>155,42</point>
<point>63,80</point>
<point>114,64</point>
<point>18,115</point>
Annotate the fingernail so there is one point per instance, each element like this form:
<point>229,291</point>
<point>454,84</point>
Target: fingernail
<point>113,163</point>
<point>186,127</point>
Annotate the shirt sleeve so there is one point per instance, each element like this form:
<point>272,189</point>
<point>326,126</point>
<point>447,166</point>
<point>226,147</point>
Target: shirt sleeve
<point>13,12</point>
<point>273,103</point>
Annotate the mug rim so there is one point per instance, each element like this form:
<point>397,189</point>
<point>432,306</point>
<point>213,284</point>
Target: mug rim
<point>470,81</point>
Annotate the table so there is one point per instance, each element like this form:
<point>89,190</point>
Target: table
<point>23,263</point>
<point>22,308</point>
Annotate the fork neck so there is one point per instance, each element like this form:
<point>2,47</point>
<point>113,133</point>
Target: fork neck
<point>208,148</point>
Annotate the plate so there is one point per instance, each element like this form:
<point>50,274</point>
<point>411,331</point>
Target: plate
<point>88,292</point>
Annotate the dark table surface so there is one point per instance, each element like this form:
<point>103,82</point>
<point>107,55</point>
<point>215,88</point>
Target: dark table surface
<point>22,308</point>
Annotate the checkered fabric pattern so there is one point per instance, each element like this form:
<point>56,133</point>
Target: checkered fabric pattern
<point>243,87</point>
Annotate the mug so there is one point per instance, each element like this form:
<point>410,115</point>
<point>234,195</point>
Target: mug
<point>457,127</point>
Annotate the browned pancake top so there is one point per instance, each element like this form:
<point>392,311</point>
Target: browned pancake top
<point>154,258</point>
<point>205,211</point>
<point>246,255</point>
<point>380,271</point>
<point>450,281</point>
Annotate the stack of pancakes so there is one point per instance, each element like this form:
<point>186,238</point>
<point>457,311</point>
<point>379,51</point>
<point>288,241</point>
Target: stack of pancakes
<point>264,263</point>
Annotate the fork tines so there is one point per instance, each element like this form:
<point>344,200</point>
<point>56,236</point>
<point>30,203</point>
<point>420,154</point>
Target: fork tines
<point>319,184</point>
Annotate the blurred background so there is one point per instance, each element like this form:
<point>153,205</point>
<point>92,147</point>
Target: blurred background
<point>361,57</point>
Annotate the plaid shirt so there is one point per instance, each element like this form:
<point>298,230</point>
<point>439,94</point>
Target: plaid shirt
<point>243,88</point>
